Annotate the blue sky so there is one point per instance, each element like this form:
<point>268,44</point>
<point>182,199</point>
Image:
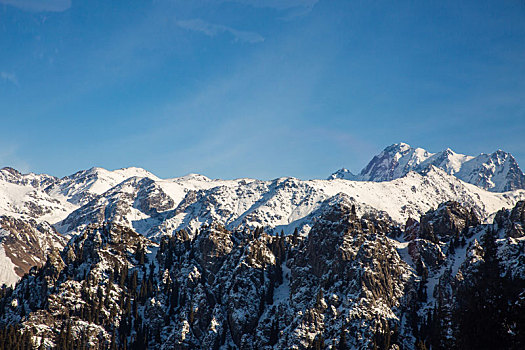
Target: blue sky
<point>253,88</point>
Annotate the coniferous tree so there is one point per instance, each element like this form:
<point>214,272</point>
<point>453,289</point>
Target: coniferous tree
<point>481,304</point>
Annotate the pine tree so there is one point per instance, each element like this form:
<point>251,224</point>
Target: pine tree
<point>295,237</point>
<point>342,340</point>
<point>480,316</point>
<point>274,332</point>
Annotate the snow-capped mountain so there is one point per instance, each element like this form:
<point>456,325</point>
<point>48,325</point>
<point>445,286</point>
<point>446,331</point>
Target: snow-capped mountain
<point>137,199</point>
<point>496,172</point>
<point>155,208</point>
<point>87,185</point>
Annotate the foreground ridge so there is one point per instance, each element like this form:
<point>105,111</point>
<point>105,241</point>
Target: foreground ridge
<point>446,281</point>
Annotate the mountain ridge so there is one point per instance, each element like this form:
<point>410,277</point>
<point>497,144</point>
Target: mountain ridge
<point>139,200</point>
<point>496,172</point>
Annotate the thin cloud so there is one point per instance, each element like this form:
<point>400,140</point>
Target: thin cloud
<point>9,157</point>
<point>9,77</point>
<point>39,5</point>
<point>211,29</point>
<point>278,4</point>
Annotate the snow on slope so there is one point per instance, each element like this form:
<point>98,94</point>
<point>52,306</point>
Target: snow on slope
<point>86,185</point>
<point>25,201</point>
<point>136,198</point>
<point>8,275</point>
<point>284,203</point>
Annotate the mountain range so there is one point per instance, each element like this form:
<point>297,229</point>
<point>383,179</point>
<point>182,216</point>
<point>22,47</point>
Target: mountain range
<point>385,259</point>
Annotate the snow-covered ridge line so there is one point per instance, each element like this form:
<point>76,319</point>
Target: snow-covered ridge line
<point>496,172</point>
<point>152,206</point>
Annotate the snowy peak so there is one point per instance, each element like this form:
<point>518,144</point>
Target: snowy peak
<point>393,162</point>
<point>193,177</point>
<point>15,177</point>
<point>496,172</point>
<point>448,160</point>
<point>86,185</point>
<point>342,173</point>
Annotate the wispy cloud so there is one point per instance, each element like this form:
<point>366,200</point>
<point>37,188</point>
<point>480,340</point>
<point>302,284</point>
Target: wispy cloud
<point>278,4</point>
<point>39,5</point>
<point>211,29</point>
<point>9,157</point>
<point>9,77</point>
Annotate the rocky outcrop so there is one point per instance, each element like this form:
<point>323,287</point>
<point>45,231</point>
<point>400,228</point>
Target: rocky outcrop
<point>512,221</point>
<point>449,221</point>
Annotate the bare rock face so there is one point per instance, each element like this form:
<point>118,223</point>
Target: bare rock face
<point>428,252</point>
<point>449,221</point>
<point>512,221</point>
<point>151,199</point>
<point>27,243</point>
<point>213,244</point>
<point>412,229</point>
<point>53,266</point>
<point>517,218</point>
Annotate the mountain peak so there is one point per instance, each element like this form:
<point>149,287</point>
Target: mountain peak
<point>194,176</point>
<point>11,171</point>
<point>393,162</point>
<point>401,146</point>
<point>342,173</point>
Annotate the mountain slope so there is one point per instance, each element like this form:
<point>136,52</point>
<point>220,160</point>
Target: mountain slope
<point>281,204</point>
<point>23,245</point>
<point>137,199</point>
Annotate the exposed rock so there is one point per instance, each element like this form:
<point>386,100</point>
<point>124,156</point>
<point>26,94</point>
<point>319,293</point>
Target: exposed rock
<point>450,221</point>
<point>27,243</point>
<point>513,221</point>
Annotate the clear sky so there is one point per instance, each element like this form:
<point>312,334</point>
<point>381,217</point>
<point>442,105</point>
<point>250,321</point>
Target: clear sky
<point>255,88</point>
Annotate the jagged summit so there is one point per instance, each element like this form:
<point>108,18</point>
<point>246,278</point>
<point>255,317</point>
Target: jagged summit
<point>496,172</point>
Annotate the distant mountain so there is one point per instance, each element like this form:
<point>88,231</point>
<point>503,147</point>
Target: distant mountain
<point>495,172</point>
<point>155,208</point>
<point>86,185</point>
